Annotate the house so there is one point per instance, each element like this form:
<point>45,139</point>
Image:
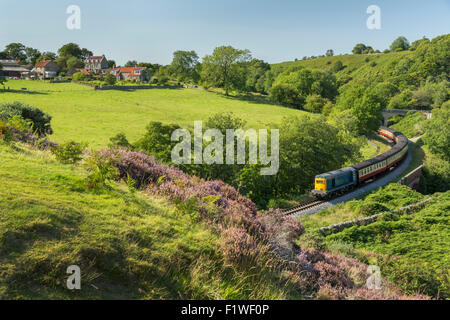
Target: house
<point>12,69</point>
<point>46,69</point>
<point>72,71</point>
<point>96,64</point>
<point>131,73</point>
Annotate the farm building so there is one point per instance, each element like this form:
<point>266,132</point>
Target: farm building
<point>46,69</point>
<point>132,73</point>
<point>12,69</point>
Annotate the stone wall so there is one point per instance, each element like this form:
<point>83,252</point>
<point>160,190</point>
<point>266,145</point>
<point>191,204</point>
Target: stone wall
<point>136,87</point>
<point>412,179</point>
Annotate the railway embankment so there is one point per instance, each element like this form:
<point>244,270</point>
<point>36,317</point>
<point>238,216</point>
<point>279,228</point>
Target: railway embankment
<point>368,220</point>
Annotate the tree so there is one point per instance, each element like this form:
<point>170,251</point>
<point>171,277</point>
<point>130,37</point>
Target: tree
<point>70,50</point>
<point>132,63</point>
<point>400,44</point>
<point>337,66</point>
<point>256,75</point>
<point>85,53</point>
<point>417,43</point>
<point>309,146</point>
<point>32,55</point>
<point>223,121</point>
<point>111,63</point>
<point>286,94</point>
<point>46,56</point>
<point>364,107</point>
<point>359,48</point>
<point>157,141</point>
<point>315,103</point>
<point>183,65</point>
<point>15,51</point>
<point>74,62</point>
<point>303,82</point>
<point>330,53</point>
<point>223,67</point>
<point>110,79</point>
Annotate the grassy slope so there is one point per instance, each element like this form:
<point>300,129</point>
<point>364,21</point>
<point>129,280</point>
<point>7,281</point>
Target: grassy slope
<point>355,65</point>
<point>411,125</point>
<point>351,210</point>
<point>127,245</point>
<point>86,115</point>
<point>416,241</point>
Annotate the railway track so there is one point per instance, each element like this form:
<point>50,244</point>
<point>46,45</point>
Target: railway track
<point>303,207</point>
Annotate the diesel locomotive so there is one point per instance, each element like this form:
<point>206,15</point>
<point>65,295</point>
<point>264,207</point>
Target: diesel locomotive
<point>338,182</point>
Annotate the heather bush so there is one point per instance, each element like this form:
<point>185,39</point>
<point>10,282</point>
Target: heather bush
<point>236,245</point>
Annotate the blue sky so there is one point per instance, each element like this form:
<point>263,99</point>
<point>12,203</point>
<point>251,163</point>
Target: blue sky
<point>276,31</point>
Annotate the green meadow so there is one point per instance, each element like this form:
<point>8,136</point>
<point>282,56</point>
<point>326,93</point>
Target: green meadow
<point>85,115</point>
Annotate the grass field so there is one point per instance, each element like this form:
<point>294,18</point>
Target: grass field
<point>82,114</point>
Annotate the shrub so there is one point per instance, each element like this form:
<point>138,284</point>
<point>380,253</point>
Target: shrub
<point>79,76</point>
<point>163,80</point>
<point>101,171</point>
<point>286,94</point>
<point>337,66</point>
<point>119,141</point>
<point>68,153</point>
<point>110,79</point>
<point>40,121</point>
<point>5,133</point>
<point>315,103</point>
<point>372,208</point>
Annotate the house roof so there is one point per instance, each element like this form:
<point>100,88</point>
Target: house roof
<point>131,70</point>
<point>42,63</point>
<point>9,62</point>
<point>15,69</point>
<point>83,70</point>
<point>95,58</point>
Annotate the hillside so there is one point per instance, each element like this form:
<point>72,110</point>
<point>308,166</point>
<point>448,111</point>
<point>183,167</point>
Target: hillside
<point>410,248</point>
<point>150,245</point>
<point>356,65</point>
<point>128,245</point>
<point>82,114</point>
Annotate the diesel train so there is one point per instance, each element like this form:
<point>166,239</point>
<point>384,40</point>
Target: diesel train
<point>331,184</point>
